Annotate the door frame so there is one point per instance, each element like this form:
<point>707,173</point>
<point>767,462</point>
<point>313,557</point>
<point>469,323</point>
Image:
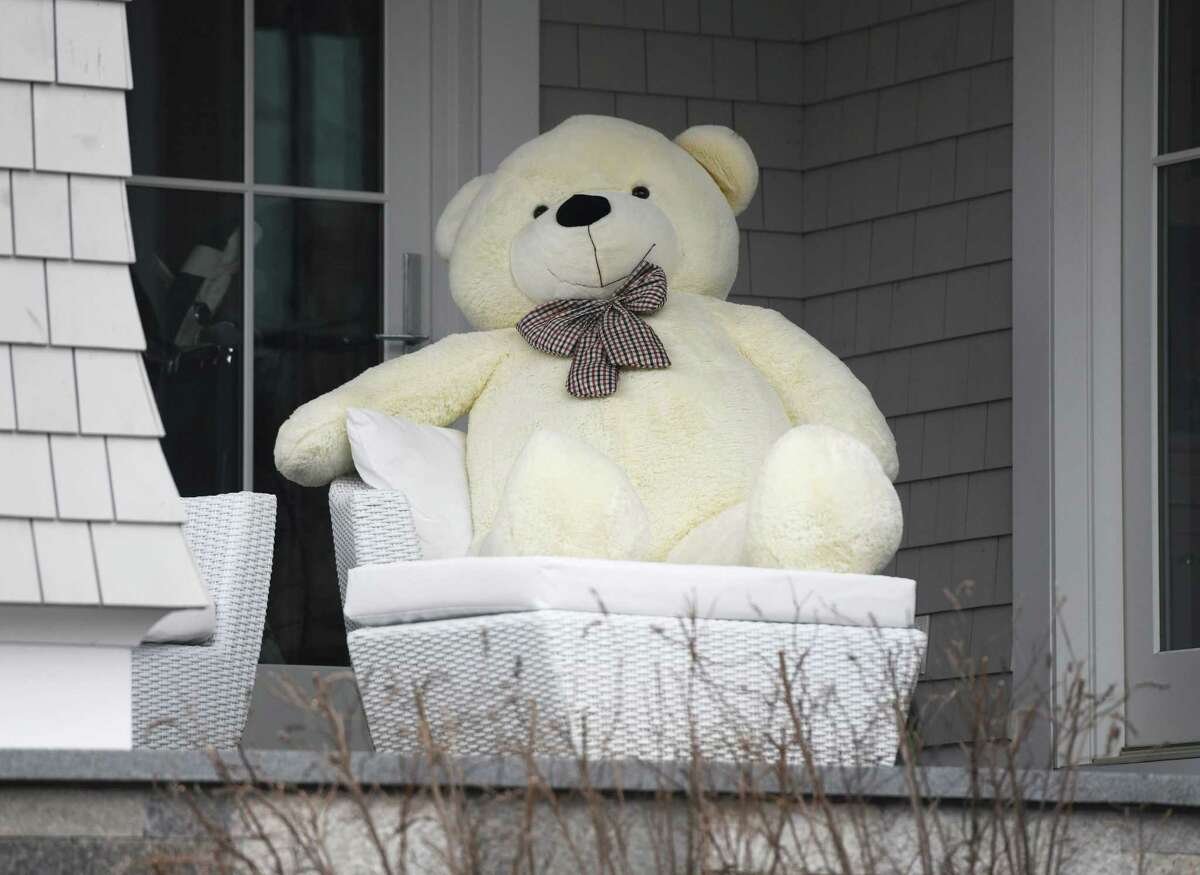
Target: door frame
<point>479,88</point>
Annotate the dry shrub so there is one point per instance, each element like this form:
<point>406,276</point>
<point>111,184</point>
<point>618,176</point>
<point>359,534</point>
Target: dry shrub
<point>770,807</point>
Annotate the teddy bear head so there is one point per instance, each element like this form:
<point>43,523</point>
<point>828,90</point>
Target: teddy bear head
<point>573,212</point>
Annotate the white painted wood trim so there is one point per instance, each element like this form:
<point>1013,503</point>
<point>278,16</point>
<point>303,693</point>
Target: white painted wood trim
<point>60,697</point>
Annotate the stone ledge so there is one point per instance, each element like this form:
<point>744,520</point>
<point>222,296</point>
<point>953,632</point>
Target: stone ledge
<point>302,768</point>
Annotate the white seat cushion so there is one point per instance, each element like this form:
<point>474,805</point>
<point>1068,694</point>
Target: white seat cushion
<point>193,626</point>
<point>404,592</point>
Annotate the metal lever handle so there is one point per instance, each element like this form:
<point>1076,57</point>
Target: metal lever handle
<point>413,290</point>
<point>412,309</point>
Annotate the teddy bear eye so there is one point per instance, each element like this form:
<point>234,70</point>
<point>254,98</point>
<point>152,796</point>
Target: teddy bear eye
<point>539,209</point>
<point>641,191</point>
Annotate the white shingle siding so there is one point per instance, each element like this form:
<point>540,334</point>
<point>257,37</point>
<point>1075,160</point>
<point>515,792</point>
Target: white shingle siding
<point>41,211</point>
<point>92,305</point>
<point>6,226</point>
<point>143,490</point>
<point>142,564</point>
<point>19,583</point>
<point>80,130</point>
<point>45,386</point>
<point>89,514</point>
<point>16,134</point>
<point>81,479</point>
<point>28,41</point>
<point>100,226</point>
<point>26,474</point>
<point>112,395</point>
<point>8,410</point>
<point>23,301</point>
<point>67,569</point>
<point>92,45</point>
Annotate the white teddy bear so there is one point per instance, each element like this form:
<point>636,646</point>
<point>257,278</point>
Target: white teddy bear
<point>692,429</point>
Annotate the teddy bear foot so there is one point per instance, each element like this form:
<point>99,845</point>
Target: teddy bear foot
<point>563,498</point>
<point>822,502</point>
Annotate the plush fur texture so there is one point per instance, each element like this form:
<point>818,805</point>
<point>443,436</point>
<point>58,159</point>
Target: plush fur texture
<point>548,509</point>
<point>756,445</point>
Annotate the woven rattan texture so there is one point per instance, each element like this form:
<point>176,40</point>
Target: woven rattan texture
<point>190,696</point>
<point>618,686</point>
<point>638,687</point>
<point>370,527</point>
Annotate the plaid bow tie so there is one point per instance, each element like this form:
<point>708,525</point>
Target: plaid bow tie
<point>601,337</point>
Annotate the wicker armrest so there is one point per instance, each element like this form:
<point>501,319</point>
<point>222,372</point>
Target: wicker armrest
<point>186,696</point>
<point>370,527</point>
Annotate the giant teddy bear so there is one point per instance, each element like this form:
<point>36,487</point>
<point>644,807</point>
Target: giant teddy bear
<point>635,414</point>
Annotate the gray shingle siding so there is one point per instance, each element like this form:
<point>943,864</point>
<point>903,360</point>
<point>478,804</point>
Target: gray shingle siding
<point>883,128</point>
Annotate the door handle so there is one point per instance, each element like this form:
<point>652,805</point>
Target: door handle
<point>413,291</point>
<point>412,307</point>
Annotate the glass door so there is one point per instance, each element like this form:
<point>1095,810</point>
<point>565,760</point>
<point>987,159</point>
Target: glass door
<point>260,202</point>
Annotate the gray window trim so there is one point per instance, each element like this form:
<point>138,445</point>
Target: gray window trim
<point>1067,415</point>
<point>485,102</point>
<point>1085,555</point>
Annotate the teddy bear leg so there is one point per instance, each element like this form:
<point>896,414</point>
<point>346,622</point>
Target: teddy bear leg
<point>719,540</point>
<point>563,498</point>
<point>822,502</point>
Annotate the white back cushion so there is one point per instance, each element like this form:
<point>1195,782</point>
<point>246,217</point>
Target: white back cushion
<point>426,463</point>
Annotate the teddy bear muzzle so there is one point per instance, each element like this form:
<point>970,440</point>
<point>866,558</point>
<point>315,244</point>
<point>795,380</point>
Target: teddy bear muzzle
<point>589,244</point>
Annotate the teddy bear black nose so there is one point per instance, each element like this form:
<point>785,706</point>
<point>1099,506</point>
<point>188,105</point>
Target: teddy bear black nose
<point>582,209</point>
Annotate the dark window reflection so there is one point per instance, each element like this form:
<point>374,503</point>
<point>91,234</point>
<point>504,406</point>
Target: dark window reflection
<point>185,113</point>
<point>1179,382</point>
<point>188,284</point>
<point>317,308</point>
<point>1180,75</point>
<point>318,93</point>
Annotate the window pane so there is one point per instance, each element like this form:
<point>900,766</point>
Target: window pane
<point>1179,102</point>
<point>317,308</point>
<point>318,93</point>
<point>185,113</point>
<point>188,285</point>
<point>1179,313</point>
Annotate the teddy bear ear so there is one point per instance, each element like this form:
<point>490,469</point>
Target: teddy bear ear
<point>456,211</point>
<point>727,158</point>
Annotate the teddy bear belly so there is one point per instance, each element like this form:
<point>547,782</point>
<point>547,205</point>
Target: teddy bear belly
<point>691,438</point>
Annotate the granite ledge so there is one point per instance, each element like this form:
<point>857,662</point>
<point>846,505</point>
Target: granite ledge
<point>306,768</point>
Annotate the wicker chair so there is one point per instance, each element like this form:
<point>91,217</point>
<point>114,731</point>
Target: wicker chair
<point>621,686</point>
<point>188,696</point>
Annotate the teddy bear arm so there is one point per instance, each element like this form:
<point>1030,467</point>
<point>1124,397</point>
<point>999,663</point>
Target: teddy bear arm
<point>815,386</point>
<point>434,386</point>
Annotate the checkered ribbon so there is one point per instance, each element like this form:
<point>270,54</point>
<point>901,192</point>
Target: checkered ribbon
<point>602,336</point>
